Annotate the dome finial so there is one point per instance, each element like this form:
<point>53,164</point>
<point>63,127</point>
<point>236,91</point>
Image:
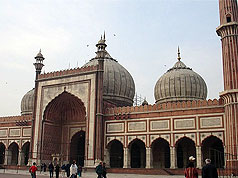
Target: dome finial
<point>104,36</point>
<point>178,54</point>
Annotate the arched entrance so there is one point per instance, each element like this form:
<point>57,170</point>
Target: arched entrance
<point>2,153</point>
<point>77,148</point>
<point>212,148</point>
<point>138,156</point>
<point>13,152</point>
<point>185,147</point>
<point>116,154</point>
<point>63,112</point>
<point>25,153</point>
<point>161,153</point>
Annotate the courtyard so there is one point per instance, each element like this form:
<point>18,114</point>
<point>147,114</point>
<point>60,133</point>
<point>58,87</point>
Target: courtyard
<point>24,174</point>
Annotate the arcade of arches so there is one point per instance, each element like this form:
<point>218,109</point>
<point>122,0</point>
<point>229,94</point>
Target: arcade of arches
<point>13,155</point>
<point>162,155</point>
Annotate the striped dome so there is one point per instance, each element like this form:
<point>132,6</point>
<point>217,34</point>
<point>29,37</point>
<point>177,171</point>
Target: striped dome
<point>27,102</point>
<point>180,83</point>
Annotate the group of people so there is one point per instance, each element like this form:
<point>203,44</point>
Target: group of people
<point>208,171</point>
<point>72,170</point>
<point>101,170</point>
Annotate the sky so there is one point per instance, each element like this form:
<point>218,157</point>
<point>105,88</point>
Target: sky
<point>142,35</point>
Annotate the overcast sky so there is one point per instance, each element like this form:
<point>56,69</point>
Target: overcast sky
<point>143,35</point>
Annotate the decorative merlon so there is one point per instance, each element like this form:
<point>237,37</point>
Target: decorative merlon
<point>164,106</point>
<point>68,72</point>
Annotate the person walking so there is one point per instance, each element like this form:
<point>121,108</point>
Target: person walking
<point>51,169</point>
<point>73,170</point>
<point>57,170</point>
<point>104,170</point>
<point>33,170</point>
<point>191,171</point>
<point>99,169</point>
<point>67,169</point>
<point>45,167</point>
<point>80,169</point>
<point>209,170</point>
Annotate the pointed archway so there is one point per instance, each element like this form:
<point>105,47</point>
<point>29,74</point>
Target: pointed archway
<point>13,152</point>
<point>63,111</point>
<point>116,154</point>
<point>25,153</point>
<point>2,153</point>
<point>161,153</point>
<point>185,147</point>
<point>212,148</point>
<point>77,148</point>
<point>138,154</point>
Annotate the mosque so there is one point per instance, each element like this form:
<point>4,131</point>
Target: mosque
<point>87,114</point>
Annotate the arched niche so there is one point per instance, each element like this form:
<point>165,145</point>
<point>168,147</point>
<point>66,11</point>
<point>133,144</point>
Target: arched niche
<point>13,152</point>
<point>77,148</point>
<point>137,153</point>
<point>115,148</point>
<point>65,108</point>
<point>212,148</point>
<point>25,153</point>
<point>2,153</point>
<point>185,147</point>
<point>160,153</point>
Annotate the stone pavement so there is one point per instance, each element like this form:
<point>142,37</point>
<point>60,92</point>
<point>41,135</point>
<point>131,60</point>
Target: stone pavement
<point>24,174</point>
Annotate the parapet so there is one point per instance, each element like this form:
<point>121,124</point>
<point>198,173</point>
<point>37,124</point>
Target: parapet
<point>68,72</point>
<point>165,106</point>
<point>16,118</point>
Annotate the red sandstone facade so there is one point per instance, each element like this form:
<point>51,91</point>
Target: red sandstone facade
<point>71,119</point>
<point>228,31</point>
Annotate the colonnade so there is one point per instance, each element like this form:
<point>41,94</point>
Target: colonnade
<point>164,155</point>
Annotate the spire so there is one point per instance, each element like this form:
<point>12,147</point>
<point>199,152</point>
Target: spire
<point>101,46</point>
<point>178,54</point>
<point>39,55</point>
<point>104,36</point>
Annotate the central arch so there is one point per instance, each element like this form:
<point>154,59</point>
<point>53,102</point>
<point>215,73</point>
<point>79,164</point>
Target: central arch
<point>77,148</point>
<point>60,114</point>
<point>138,156</point>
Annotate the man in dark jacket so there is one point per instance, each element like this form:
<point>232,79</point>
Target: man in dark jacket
<point>209,170</point>
<point>99,170</point>
<point>51,169</point>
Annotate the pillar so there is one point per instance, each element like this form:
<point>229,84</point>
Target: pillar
<point>172,158</point>
<point>20,158</point>
<point>107,157</point>
<point>148,158</point>
<point>126,158</point>
<point>6,161</point>
<point>199,157</point>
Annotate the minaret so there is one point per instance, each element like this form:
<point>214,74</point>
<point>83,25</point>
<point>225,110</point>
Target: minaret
<point>228,31</point>
<point>101,46</point>
<point>38,66</point>
<point>39,63</point>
